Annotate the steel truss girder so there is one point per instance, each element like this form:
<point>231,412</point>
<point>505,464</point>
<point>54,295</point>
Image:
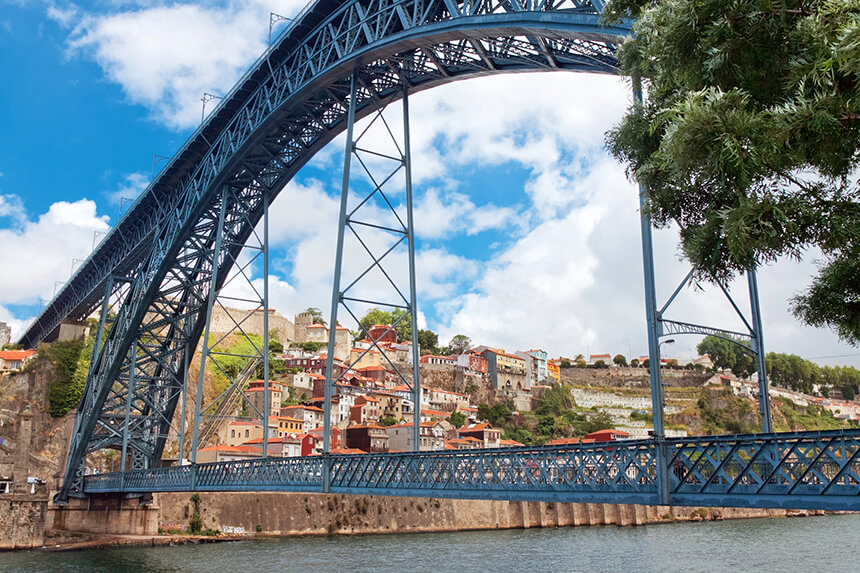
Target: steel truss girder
<point>286,108</point>
<point>800,470</point>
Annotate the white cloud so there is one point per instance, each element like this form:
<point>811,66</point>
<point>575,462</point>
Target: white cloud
<point>40,252</point>
<point>17,325</point>
<point>12,206</point>
<point>129,189</point>
<point>166,56</point>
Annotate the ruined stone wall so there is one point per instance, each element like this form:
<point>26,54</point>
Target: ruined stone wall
<point>629,377</point>
<point>221,322</point>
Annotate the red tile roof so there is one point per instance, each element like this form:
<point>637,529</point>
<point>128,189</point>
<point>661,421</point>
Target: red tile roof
<point>16,354</point>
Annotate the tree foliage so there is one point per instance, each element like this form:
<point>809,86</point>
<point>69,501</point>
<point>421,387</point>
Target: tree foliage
<point>457,419</point>
<point>792,371</point>
<point>728,354</point>
<point>555,401</point>
<point>498,414</point>
<point>398,318</point>
<point>750,137</point>
<point>619,360</point>
<point>428,340</point>
<point>316,314</point>
<point>459,344</point>
<point>71,363</point>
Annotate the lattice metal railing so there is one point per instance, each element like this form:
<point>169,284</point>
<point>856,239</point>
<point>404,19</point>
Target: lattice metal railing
<point>818,470</point>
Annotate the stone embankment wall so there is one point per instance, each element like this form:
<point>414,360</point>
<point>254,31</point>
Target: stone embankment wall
<point>309,514</point>
<point>22,521</point>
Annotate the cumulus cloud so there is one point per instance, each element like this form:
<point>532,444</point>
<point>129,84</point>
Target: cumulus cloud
<point>40,252</point>
<point>12,207</point>
<point>165,56</point>
<point>129,189</point>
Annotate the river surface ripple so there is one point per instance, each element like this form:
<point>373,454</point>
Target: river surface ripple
<point>820,544</point>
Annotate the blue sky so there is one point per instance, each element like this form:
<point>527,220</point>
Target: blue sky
<point>528,231</point>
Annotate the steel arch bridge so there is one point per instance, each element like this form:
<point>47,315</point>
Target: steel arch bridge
<point>171,253</point>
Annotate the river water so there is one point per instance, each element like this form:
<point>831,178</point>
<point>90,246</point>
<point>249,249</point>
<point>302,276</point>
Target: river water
<point>822,544</point>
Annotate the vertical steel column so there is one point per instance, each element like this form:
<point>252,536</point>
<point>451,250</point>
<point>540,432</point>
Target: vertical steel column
<point>97,343</point>
<point>413,302</point>
<point>130,390</point>
<point>213,281</point>
<point>185,360</point>
<point>653,332</point>
<point>266,398</point>
<point>758,347</point>
<point>335,290</point>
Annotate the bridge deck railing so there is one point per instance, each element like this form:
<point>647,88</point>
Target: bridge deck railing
<point>818,470</point>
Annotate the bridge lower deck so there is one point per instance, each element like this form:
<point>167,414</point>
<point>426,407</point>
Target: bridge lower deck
<point>801,470</point>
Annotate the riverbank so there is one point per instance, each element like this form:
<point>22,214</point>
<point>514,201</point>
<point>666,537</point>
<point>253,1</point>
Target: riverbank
<point>244,515</point>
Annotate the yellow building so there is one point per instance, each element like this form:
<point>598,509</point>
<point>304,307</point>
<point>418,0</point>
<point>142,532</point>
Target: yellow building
<point>371,358</point>
<point>509,362</point>
<point>553,369</point>
<point>289,425</point>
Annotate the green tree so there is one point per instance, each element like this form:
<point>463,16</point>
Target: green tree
<point>498,414</point>
<point>619,360</point>
<point>71,360</point>
<point>564,363</point>
<point>749,139</point>
<point>457,419</point>
<point>728,353</point>
<point>428,340</point>
<point>634,363</point>
<point>310,345</point>
<point>460,344</point>
<point>403,326</point>
<point>596,422</point>
<point>555,401</point>
<point>316,314</point>
<point>275,346</point>
<point>387,421</point>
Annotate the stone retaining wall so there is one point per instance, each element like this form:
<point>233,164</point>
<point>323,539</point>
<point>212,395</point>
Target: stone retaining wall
<point>22,521</point>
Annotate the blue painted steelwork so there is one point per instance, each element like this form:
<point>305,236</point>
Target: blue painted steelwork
<point>167,256</point>
<point>288,106</point>
<point>804,470</point>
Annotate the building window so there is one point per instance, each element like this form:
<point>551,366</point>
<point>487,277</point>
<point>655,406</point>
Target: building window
<point>232,433</point>
<point>247,433</point>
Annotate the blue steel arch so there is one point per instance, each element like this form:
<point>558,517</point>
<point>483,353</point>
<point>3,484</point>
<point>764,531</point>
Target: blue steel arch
<point>288,106</point>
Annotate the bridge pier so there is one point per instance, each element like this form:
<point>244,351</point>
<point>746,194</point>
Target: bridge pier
<point>109,514</point>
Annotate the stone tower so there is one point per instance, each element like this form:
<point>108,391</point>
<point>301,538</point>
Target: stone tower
<point>5,333</point>
<point>302,321</point>
<point>342,343</point>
